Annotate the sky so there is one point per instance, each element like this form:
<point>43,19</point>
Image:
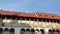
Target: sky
<point>47,6</point>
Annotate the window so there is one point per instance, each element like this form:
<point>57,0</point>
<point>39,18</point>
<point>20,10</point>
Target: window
<point>19,21</point>
<point>12,30</point>
<point>7,20</point>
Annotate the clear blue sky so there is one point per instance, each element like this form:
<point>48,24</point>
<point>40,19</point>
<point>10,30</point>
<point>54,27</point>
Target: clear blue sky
<point>48,6</point>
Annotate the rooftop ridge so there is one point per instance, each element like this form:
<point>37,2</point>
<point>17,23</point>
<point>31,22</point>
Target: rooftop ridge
<point>34,14</point>
<point>45,13</point>
<point>28,12</point>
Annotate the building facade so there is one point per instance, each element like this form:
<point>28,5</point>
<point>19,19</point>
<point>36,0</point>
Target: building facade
<point>28,23</point>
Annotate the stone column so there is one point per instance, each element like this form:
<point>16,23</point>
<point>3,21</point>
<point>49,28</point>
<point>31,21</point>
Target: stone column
<point>17,30</point>
<point>46,31</point>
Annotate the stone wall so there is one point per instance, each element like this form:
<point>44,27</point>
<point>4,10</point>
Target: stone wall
<point>32,24</point>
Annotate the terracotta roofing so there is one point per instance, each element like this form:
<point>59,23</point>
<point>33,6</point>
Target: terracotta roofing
<point>35,14</point>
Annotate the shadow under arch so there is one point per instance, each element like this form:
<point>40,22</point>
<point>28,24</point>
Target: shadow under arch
<point>28,30</point>
<point>50,31</point>
<point>6,29</point>
<point>12,30</point>
<point>53,30</point>
<point>32,31</point>
<point>42,31</point>
<point>1,30</point>
<point>37,30</point>
<point>22,31</point>
<point>57,30</point>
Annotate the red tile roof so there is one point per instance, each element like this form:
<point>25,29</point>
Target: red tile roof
<point>35,14</point>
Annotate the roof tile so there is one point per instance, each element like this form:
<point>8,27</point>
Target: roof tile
<point>35,14</point>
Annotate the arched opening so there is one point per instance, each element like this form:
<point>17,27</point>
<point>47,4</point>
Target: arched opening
<point>6,31</point>
<point>32,31</point>
<point>27,31</point>
<point>56,32</point>
<point>12,30</point>
<point>53,31</point>
<point>37,31</point>
<point>41,31</point>
<point>22,31</point>
<point>50,31</point>
<point>1,30</point>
